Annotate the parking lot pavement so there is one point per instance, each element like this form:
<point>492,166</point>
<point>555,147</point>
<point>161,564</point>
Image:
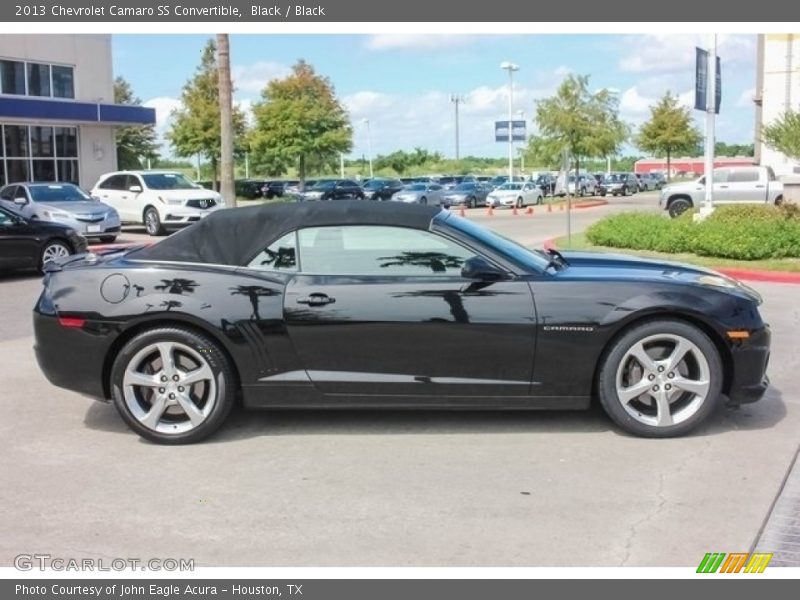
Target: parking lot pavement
<point>387,488</point>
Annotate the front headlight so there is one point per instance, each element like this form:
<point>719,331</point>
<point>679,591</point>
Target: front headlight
<point>55,214</point>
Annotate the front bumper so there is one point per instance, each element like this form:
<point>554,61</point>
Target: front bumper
<point>180,216</point>
<point>749,379</point>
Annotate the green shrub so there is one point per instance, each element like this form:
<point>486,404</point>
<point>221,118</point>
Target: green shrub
<point>746,232</point>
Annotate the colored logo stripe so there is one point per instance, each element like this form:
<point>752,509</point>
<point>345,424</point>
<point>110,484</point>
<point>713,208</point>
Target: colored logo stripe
<point>734,563</point>
<point>758,562</point>
<point>711,562</point>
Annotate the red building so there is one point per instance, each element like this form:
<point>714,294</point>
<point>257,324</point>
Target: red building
<point>690,166</point>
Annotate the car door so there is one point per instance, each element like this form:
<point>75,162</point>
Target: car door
<point>18,245</point>
<point>744,185</point>
<point>385,310</point>
<point>722,186</point>
<point>113,191</point>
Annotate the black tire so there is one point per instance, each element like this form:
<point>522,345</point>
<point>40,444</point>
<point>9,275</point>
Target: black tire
<point>678,206</point>
<point>610,363</point>
<point>108,239</point>
<point>520,202</point>
<point>625,190</point>
<point>778,200</point>
<point>152,222</point>
<point>472,202</point>
<point>423,200</point>
<point>602,193</point>
<point>224,379</point>
<point>360,196</point>
<point>583,192</point>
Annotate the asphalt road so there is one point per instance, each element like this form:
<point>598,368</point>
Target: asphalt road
<point>372,488</point>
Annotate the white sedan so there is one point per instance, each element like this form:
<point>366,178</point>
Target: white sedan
<point>517,194</point>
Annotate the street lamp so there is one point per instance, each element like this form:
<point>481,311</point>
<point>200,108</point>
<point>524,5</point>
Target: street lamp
<point>510,67</point>
<point>521,115</point>
<point>369,146</point>
<point>456,99</point>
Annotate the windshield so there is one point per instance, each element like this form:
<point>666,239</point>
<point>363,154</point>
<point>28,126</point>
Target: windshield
<point>498,180</point>
<point>324,185</point>
<point>533,259</point>
<point>615,178</point>
<point>167,181</point>
<point>511,186</point>
<point>466,187</point>
<point>375,184</point>
<point>415,187</point>
<point>63,192</point>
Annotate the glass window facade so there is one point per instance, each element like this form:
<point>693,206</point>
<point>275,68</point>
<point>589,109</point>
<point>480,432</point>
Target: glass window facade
<point>36,79</point>
<point>36,153</point>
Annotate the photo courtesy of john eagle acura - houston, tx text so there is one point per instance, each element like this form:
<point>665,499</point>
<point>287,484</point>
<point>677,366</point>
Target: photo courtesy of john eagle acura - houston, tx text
<point>385,305</point>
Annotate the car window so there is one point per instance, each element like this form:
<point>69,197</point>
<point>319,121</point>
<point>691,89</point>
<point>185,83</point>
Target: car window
<point>165,181</point>
<point>5,219</point>
<point>57,192</point>
<point>280,255</point>
<point>115,182</point>
<point>379,251</point>
<point>743,176</point>
<point>721,175</point>
<point>8,193</point>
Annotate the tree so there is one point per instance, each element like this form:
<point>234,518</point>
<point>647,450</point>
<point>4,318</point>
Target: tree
<point>586,124</point>
<point>669,130</point>
<point>300,121</point>
<point>226,118</point>
<point>136,142</point>
<point>195,126</point>
<point>783,134</point>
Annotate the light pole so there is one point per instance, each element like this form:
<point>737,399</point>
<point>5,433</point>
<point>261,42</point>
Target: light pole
<point>369,147</point>
<point>456,100</point>
<point>711,109</point>
<point>521,115</point>
<point>510,67</point>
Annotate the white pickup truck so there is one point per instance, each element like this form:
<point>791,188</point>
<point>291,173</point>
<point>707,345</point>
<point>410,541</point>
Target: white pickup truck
<point>732,185</point>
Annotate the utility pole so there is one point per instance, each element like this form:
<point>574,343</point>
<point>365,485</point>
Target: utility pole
<point>510,67</point>
<point>711,109</point>
<point>369,147</point>
<point>226,120</point>
<point>456,100</point>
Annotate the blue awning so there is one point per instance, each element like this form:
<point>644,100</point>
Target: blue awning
<point>25,107</point>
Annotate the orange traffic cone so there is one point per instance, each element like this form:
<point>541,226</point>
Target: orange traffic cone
<point>514,210</point>
<point>529,211</point>
<point>490,210</point>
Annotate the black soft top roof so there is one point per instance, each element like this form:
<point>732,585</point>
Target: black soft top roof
<point>234,236</point>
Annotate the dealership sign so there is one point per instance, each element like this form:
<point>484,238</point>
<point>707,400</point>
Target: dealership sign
<point>701,82</point>
<point>517,131</point>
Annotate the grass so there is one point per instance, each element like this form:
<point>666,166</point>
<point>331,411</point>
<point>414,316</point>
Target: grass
<point>579,242</point>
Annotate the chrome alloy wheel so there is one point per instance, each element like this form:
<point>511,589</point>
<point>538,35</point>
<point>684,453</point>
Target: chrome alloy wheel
<point>151,222</point>
<point>54,251</point>
<point>169,387</point>
<point>663,380</point>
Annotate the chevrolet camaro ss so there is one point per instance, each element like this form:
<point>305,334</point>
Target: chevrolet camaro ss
<point>385,305</point>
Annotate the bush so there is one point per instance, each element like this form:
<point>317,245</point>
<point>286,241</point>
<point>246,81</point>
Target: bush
<point>747,232</point>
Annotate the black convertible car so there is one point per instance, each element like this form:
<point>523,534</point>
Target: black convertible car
<point>385,305</point>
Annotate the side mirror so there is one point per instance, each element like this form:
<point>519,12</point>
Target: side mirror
<point>135,189</point>
<point>481,269</point>
<point>20,200</point>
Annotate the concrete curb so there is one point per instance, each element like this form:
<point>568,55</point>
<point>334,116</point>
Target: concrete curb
<point>743,274</point>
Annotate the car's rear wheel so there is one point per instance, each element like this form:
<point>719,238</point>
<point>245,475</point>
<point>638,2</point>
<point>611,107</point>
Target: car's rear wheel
<point>423,200</point>
<point>152,222</point>
<point>661,378</point>
<point>472,202</point>
<point>678,206</point>
<point>53,250</point>
<point>172,385</point>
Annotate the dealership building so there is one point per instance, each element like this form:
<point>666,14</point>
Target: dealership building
<point>57,111</point>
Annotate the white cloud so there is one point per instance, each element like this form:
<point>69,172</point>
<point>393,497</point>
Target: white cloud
<point>668,53</point>
<point>411,41</point>
<point>251,79</point>
<point>164,106</point>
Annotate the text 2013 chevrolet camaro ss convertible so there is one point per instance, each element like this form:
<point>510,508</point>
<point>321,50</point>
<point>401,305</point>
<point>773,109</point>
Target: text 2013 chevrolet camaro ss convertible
<point>387,305</point>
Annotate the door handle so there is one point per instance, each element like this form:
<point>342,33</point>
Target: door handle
<point>316,299</point>
<point>759,186</point>
<point>724,187</point>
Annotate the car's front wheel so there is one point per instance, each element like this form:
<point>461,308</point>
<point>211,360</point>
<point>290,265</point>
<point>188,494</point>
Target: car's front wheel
<point>53,250</point>
<point>172,385</point>
<point>661,378</point>
<point>152,222</point>
<point>678,206</point>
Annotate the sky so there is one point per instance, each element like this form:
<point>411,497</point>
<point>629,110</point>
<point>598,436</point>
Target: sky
<point>402,83</point>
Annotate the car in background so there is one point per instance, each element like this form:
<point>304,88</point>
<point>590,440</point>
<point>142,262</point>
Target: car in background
<point>619,184</point>
<point>468,193</point>
<point>448,182</point>
<point>587,185</point>
<point>275,188</point>
<point>646,182</point>
<point>421,193</point>
<point>517,193</point>
<point>334,189</point>
<point>292,188</point>
<point>63,203</point>
<point>499,180</point>
<point>248,188</point>
<point>660,179</point>
<point>732,185</point>
<point>483,178</point>
<point>160,200</point>
<point>546,183</point>
<point>31,243</point>
<point>381,189</point>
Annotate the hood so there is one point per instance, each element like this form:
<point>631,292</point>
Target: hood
<point>617,267</point>
<point>683,186</point>
<point>77,208</point>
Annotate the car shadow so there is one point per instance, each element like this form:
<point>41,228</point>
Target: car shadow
<point>246,424</point>
<point>19,275</point>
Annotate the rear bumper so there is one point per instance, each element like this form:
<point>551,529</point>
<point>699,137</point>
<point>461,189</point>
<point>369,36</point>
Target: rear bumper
<point>749,379</point>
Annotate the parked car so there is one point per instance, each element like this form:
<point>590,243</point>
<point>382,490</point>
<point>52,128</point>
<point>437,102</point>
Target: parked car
<point>27,243</point>
<point>248,188</point>
<point>499,180</point>
<point>732,185</point>
<point>586,185</point>
<point>420,193</point>
<point>619,184</point>
<point>448,182</point>
<point>382,189</point>
<point>660,179</point>
<point>160,200</point>
<point>64,203</point>
<point>292,188</point>
<point>399,287</point>
<point>547,183</point>
<point>335,189</point>
<point>468,193</point>
<point>517,194</point>
<point>646,182</point>
<point>275,188</point>
<point>483,178</point>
